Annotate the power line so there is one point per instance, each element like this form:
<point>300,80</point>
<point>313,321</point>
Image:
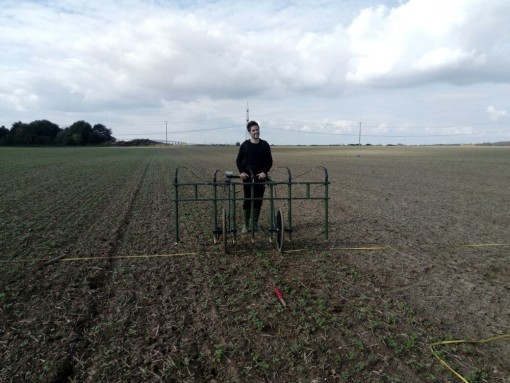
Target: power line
<point>153,123</point>
<point>376,135</point>
<point>178,131</point>
<point>374,125</point>
<point>319,133</point>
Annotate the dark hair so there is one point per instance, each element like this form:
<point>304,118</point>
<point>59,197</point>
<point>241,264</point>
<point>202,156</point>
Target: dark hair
<point>250,124</point>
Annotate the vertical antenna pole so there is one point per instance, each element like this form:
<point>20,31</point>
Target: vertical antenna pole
<point>247,119</point>
<point>359,142</point>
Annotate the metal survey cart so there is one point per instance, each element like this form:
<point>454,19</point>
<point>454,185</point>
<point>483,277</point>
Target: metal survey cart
<point>225,192</point>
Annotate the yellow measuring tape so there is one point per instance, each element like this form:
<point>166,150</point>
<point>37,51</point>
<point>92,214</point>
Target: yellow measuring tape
<point>402,247</point>
<point>442,361</point>
<point>364,248</point>
<point>125,257</point>
<point>73,259</point>
<point>482,245</point>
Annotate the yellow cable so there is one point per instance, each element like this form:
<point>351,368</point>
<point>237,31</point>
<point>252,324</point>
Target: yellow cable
<point>396,247</point>
<point>369,248</point>
<point>432,345</point>
<point>124,257</point>
<point>484,245</point>
<point>363,248</point>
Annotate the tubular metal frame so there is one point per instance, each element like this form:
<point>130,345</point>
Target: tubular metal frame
<point>229,198</point>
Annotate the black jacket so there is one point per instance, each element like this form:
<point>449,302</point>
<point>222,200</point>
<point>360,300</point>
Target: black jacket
<point>254,157</point>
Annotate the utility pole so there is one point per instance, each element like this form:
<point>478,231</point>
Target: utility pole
<point>166,132</point>
<point>247,119</point>
<point>359,139</point>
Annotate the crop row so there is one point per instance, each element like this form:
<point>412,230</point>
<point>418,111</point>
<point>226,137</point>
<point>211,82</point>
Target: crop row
<point>197,314</point>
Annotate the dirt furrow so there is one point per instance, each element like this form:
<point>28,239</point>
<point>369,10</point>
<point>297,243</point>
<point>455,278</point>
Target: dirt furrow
<point>99,297</point>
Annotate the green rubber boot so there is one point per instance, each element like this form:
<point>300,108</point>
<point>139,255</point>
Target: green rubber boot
<point>256,215</point>
<point>246,221</point>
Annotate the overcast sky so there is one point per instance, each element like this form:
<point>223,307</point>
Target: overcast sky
<point>411,72</point>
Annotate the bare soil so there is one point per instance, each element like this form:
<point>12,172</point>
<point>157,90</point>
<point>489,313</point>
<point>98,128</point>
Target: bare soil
<point>418,252</point>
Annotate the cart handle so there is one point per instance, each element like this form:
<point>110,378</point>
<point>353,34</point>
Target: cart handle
<point>229,174</point>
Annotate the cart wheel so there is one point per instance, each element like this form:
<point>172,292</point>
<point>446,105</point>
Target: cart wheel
<point>278,219</point>
<point>224,231</point>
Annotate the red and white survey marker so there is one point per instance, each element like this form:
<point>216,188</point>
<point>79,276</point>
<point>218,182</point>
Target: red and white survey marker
<point>280,296</point>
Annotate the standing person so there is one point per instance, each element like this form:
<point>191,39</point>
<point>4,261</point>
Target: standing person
<point>254,158</point>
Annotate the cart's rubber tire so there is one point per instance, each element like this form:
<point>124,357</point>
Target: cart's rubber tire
<point>279,230</point>
<point>224,218</point>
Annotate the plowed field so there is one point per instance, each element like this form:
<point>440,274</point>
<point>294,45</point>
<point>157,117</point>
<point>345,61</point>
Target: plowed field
<point>95,288</point>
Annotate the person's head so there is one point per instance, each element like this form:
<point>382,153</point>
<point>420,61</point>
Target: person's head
<point>252,124</point>
<point>254,129</point>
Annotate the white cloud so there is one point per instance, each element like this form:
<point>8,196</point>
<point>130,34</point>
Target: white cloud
<point>495,114</point>
<point>427,39</point>
<point>165,53</point>
<point>328,66</point>
<point>445,58</point>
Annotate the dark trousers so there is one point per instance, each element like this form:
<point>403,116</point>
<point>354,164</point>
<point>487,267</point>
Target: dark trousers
<point>258,192</point>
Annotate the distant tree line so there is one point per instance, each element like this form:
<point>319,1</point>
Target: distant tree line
<point>46,133</point>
